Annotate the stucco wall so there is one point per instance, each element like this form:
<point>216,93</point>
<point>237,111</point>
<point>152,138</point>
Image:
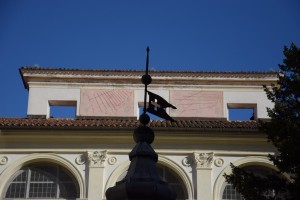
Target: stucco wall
<point>103,101</point>
<point>39,97</point>
<point>184,163</point>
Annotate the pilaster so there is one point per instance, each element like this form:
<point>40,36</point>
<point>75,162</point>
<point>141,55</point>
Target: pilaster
<point>203,166</point>
<point>96,163</point>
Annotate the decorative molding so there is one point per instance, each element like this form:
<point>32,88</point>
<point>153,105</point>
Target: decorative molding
<point>187,161</point>
<point>80,160</point>
<point>3,160</point>
<point>96,158</point>
<point>112,160</point>
<point>219,162</point>
<point>203,160</point>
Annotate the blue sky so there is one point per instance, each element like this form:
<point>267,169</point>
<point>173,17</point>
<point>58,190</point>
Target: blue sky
<point>223,35</point>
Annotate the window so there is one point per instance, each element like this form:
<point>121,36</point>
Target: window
<point>242,112</point>
<point>174,181</point>
<point>230,193</point>
<point>171,177</point>
<point>62,109</point>
<point>42,181</point>
<point>152,117</point>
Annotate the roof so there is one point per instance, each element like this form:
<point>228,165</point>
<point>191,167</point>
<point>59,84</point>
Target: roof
<point>125,124</point>
<point>139,73</point>
<point>118,76</point>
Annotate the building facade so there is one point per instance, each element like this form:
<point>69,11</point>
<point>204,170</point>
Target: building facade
<point>44,157</point>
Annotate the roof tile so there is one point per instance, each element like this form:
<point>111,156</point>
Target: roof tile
<point>62,123</point>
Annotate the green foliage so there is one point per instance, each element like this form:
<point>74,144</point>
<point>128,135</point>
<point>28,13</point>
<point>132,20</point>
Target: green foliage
<point>283,130</point>
<point>257,186</point>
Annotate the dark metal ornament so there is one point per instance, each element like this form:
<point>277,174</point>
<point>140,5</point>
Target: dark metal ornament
<point>144,119</point>
<point>146,79</point>
<point>142,181</point>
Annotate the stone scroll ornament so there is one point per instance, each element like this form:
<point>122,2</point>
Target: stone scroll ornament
<point>203,160</point>
<point>97,158</point>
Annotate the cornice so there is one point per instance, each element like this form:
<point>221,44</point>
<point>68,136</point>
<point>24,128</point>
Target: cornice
<point>73,76</point>
<point>87,138</point>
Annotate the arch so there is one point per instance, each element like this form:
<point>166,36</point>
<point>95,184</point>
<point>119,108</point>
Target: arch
<point>180,172</point>
<point>53,158</point>
<point>117,172</point>
<point>243,162</point>
<point>161,160</point>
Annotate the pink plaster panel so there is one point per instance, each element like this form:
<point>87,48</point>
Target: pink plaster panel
<point>95,102</point>
<point>208,104</point>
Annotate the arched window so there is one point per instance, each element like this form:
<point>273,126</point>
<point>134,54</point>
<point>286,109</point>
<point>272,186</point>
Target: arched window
<point>230,193</point>
<point>43,181</point>
<point>168,175</point>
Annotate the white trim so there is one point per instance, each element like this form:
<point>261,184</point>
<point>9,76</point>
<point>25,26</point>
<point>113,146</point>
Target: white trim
<point>126,151</point>
<point>153,86</point>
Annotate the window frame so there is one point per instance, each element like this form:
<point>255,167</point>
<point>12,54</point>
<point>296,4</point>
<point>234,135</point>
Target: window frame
<point>252,106</point>
<point>62,103</point>
<point>56,180</point>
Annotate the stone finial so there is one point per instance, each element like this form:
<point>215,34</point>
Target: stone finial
<point>96,158</point>
<point>203,160</point>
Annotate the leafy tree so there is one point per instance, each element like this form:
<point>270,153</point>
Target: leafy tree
<point>283,130</point>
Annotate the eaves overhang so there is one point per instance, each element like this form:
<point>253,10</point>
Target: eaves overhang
<point>72,76</point>
<point>115,124</point>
